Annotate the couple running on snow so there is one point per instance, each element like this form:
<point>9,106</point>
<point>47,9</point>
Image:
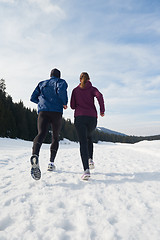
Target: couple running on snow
<point>51,97</point>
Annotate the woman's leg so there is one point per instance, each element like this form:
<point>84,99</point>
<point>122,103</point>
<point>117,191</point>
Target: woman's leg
<point>92,123</point>
<point>82,135</point>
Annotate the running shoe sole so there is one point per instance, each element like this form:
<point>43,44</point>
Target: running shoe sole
<point>35,170</point>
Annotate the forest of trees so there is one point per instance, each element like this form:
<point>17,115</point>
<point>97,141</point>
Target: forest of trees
<point>17,121</point>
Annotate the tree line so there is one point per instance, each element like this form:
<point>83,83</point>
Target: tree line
<point>17,121</point>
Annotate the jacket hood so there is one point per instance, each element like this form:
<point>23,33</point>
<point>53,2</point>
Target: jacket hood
<point>87,86</point>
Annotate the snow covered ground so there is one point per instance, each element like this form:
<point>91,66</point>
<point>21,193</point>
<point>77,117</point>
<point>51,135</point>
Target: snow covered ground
<point>121,201</point>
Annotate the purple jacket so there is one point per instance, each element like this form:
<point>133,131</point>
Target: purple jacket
<point>82,100</point>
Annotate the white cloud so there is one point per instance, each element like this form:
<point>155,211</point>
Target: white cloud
<point>7,1</point>
<point>39,35</point>
<point>48,7</point>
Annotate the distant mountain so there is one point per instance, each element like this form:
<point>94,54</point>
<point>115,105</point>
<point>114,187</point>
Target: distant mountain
<point>105,130</point>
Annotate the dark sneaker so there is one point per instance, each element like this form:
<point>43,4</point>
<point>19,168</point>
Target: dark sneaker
<point>35,170</point>
<point>86,175</point>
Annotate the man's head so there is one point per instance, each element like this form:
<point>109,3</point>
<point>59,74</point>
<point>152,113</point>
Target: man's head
<point>55,72</point>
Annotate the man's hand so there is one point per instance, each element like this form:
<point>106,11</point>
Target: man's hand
<point>65,106</point>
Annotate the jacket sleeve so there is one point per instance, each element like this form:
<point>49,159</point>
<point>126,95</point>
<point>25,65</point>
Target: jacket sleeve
<point>62,92</point>
<point>73,101</point>
<point>35,95</point>
<point>100,99</point>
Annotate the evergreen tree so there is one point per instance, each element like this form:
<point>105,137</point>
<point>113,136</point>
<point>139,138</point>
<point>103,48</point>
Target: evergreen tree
<point>17,121</point>
<point>2,85</point>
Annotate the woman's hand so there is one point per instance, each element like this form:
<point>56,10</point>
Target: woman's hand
<point>102,114</point>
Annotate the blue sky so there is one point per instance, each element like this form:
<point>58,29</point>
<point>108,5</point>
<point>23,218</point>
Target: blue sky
<point>115,41</point>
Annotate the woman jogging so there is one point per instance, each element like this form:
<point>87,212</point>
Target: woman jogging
<point>82,101</point>
<point>51,97</point>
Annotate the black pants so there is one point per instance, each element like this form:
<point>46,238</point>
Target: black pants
<point>44,119</point>
<point>85,126</point>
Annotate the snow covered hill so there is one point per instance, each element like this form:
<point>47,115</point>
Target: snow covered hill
<point>106,130</point>
<point>120,202</point>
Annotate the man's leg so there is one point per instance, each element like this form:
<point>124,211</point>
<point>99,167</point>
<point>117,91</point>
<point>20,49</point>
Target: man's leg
<point>56,122</point>
<point>42,124</point>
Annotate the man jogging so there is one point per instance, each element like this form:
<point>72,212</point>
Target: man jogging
<point>51,97</point>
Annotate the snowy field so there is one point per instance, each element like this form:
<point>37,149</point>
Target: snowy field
<point>121,201</point>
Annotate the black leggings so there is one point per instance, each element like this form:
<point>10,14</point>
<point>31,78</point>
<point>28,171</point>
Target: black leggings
<point>44,119</point>
<point>85,126</point>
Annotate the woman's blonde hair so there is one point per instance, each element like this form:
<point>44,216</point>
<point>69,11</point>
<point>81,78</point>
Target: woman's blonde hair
<point>84,78</point>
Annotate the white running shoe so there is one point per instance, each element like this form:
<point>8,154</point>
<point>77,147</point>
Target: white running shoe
<point>91,164</point>
<point>51,167</point>
<point>86,175</point>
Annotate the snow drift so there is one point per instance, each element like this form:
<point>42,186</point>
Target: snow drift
<point>121,201</point>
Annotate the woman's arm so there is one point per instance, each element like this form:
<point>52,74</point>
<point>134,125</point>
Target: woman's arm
<point>73,101</point>
<point>100,99</point>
